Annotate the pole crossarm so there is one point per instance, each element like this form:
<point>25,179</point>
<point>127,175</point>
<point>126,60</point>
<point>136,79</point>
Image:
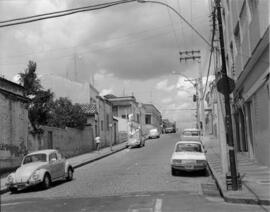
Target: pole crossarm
<point>185,20</point>
<point>187,79</point>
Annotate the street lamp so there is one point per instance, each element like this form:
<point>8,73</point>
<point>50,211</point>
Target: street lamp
<point>181,17</point>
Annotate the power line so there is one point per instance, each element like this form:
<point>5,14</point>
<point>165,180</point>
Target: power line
<point>125,44</point>
<point>34,18</point>
<point>211,51</point>
<point>190,25</point>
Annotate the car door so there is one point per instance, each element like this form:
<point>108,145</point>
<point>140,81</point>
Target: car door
<point>53,165</point>
<point>61,163</point>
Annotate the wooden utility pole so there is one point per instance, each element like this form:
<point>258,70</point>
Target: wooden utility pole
<point>195,56</point>
<point>225,86</point>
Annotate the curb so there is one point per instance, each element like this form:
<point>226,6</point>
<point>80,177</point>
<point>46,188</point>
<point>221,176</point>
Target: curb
<point>98,158</point>
<point>5,189</point>
<point>255,201</point>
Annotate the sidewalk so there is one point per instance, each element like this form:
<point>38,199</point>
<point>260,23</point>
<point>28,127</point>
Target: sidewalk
<point>255,176</point>
<point>80,160</point>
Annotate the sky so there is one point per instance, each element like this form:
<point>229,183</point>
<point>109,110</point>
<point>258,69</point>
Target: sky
<point>128,49</point>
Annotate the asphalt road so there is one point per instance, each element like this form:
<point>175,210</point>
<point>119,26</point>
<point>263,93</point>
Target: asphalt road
<point>133,180</point>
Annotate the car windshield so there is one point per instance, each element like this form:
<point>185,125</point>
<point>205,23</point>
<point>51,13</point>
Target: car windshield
<point>35,158</point>
<point>188,148</point>
<point>191,133</point>
<point>153,130</point>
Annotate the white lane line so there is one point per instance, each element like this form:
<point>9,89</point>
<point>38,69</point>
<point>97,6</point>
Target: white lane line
<point>158,205</point>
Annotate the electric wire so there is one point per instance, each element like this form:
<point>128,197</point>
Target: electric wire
<point>57,14</point>
<point>211,52</point>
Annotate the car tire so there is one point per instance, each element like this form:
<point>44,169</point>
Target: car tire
<point>46,183</point>
<point>69,174</point>
<point>13,190</point>
<point>173,171</point>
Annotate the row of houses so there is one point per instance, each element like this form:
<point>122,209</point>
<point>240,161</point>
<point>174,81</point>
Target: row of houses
<point>107,117</point>
<point>246,35</point>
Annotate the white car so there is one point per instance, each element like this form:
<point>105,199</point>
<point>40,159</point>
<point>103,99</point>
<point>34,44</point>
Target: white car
<point>188,156</point>
<point>40,167</point>
<point>191,135</point>
<point>154,133</point>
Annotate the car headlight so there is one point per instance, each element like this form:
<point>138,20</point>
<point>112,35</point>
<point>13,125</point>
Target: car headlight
<point>201,162</point>
<point>10,178</point>
<point>35,176</point>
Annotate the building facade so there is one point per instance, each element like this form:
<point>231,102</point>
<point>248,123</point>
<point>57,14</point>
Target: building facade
<point>13,124</point>
<point>152,116</point>
<point>107,125</point>
<point>246,31</point>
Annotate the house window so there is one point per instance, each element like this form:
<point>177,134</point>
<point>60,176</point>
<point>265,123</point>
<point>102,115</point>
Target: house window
<point>237,37</point>
<point>138,118</point>
<point>115,111</point>
<point>147,119</point>
<point>101,125</point>
<point>107,121</point>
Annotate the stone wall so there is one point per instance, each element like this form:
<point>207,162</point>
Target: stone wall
<point>13,131</point>
<point>69,141</point>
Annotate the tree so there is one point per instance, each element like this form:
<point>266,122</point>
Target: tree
<point>29,79</point>
<point>43,110</point>
<point>39,108</point>
<point>64,113</point>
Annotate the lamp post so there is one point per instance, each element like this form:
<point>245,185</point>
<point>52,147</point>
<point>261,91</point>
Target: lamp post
<point>195,85</point>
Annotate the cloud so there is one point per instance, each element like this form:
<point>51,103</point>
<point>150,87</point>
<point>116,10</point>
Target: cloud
<point>122,49</point>
<point>163,85</point>
<point>104,92</point>
<point>167,100</point>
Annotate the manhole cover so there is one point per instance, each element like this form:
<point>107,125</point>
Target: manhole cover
<point>210,189</point>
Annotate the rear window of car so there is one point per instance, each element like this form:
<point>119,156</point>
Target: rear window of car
<point>188,148</point>
<point>35,158</point>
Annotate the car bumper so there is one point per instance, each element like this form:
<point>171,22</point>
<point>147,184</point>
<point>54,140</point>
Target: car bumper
<point>189,167</point>
<point>134,144</point>
<point>153,136</point>
<point>23,185</point>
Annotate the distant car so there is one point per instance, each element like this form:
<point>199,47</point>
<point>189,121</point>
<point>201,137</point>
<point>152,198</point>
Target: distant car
<point>191,135</point>
<point>154,133</point>
<point>40,168</point>
<point>169,130</point>
<point>135,141</point>
<point>188,156</point>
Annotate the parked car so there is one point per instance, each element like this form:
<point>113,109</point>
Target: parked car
<point>170,130</point>
<point>191,135</point>
<point>188,156</point>
<point>136,140</point>
<point>40,168</point>
<point>154,133</point>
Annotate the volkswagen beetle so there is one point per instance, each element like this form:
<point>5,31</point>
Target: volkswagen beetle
<point>40,168</point>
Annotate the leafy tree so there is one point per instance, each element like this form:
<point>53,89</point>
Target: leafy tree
<point>39,108</point>
<point>29,79</point>
<point>43,110</point>
<point>64,113</point>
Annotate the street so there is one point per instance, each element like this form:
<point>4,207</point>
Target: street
<point>137,179</point>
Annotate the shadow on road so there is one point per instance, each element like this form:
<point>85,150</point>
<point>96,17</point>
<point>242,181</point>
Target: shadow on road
<point>38,188</point>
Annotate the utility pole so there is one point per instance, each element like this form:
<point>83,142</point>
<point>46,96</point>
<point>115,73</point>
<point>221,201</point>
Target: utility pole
<point>195,56</point>
<point>225,86</point>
